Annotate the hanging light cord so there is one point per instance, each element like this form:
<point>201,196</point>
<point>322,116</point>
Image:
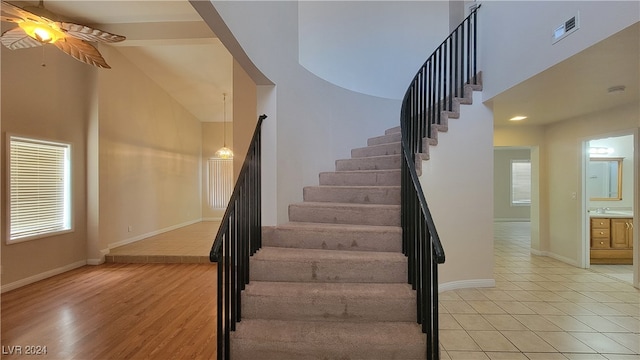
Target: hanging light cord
<point>224,119</point>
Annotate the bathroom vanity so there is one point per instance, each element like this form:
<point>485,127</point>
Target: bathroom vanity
<point>611,238</point>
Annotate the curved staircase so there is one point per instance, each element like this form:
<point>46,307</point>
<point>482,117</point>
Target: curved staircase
<point>332,283</point>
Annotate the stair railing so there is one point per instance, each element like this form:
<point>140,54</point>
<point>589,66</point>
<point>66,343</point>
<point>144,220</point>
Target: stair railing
<point>442,77</point>
<point>238,238</point>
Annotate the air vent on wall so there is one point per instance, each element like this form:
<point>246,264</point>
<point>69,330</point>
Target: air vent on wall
<point>566,28</point>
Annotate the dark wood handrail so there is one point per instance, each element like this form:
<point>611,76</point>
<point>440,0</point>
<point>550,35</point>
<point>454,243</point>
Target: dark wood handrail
<point>443,77</point>
<point>238,238</point>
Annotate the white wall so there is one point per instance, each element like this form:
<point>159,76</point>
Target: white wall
<point>316,122</point>
<point>516,35</point>
<point>360,45</point>
<point>458,181</point>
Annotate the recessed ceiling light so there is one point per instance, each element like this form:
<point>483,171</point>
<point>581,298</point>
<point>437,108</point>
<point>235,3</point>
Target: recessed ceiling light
<point>518,118</point>
<point>616,89</point>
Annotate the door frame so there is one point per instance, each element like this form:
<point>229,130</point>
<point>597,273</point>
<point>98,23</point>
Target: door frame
<point>585,261</point>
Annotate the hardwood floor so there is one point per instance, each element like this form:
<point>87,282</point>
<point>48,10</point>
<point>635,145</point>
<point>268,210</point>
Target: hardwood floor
<point>115,311</point>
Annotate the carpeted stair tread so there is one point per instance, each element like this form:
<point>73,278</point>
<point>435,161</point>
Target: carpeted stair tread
<point>314,265</point>
<point>299,340</point>
<point>377,150</point>
<point>334,237</point>
<point>329,301</point>
<point>345,213</point>
<point>353,194</point>
<point>381,162</point>
<point>388,177</point>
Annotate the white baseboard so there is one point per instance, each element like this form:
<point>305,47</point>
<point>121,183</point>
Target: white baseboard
<point>152,233</point>
<point>511,220</point>
<point>99,261</point>
<point>42,276</point>
<point>563,259</point>
<point>465,284</point>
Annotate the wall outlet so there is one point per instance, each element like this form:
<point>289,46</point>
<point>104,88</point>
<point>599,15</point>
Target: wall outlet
<point>130,228</point>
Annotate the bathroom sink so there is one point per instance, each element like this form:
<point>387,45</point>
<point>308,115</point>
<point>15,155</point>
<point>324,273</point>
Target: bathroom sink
<point>612,214</point>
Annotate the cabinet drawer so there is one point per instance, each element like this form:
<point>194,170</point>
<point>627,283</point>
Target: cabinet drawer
<point>600,233</point>
<point>600,243</point>
<point>600,223</point>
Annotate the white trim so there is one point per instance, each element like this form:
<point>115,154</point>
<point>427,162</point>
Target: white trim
<point>42,276</point>
<point>560,258</point>
<point>538,252</point>
<point>152,233</point>
<point>512,219</point>
<point>99,261</point>
<point>465,284</point>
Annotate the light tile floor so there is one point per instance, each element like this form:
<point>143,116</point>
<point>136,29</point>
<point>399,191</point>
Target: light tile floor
<point>540,309</point>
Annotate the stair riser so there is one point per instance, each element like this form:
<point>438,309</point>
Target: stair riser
<point>328,271</point>
<point>355,178</point>
<point>295,340</point>
<point>369,163</point>
<point>383,215</point>
<point>385,139</point>
<point>386,241</point>
<point>252,350</point>
<point>378,150</point>
<point>353,195</point>
<point>393,130</point>
<point>327,308</point>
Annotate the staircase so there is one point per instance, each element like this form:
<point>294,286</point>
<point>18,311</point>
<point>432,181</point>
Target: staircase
<point>332,283</point>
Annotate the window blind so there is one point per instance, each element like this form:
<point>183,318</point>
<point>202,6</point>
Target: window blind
<point>39,186</point>
<point>220,182</point>
<point>520,182</point>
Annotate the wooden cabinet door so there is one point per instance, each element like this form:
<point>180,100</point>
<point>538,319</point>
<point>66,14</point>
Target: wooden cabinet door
<point>620,231</point>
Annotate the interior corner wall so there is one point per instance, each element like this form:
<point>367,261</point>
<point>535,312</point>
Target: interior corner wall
<point>459,190</point>
<point>511,31</point>
<point>245,115</point>
<point>47,102</point>
<point>150,156</point>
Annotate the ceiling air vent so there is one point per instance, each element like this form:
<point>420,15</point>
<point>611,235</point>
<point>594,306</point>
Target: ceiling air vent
<point>566,28</point>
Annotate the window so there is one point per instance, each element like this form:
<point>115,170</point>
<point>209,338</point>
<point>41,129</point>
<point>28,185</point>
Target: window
<point>220,182</point>
<point>39,188</point>
<point>520,182</point>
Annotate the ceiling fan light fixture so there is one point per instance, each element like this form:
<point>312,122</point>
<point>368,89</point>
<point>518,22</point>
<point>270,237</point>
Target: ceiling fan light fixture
<point>41,32</point>
<point>224,153</point>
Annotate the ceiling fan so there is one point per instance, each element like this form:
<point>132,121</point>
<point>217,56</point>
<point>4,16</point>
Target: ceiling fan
<point>38,26</point>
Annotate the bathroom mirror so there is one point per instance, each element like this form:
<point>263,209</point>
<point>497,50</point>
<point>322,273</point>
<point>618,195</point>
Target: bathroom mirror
<point>604,179</point>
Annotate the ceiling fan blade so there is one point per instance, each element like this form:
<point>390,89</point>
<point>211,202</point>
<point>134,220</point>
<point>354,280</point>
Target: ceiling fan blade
<point>82,51</point>
<point>13,13</point>
<point>16,38</point>
<point>87,33</point>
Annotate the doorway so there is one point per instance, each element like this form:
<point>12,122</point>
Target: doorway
<point>609,204</point>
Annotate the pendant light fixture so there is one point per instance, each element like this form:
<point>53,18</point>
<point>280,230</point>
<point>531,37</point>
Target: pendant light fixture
<point>224,152</point>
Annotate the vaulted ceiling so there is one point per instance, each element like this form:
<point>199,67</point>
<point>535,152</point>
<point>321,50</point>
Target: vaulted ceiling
<point>169,42</point>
